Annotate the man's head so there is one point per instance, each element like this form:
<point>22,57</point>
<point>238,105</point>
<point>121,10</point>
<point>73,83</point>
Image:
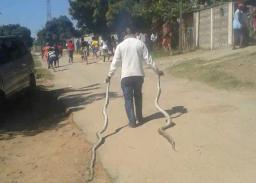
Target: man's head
<point>240,6</point>
<point>129,31</point>
<point>51,49</point>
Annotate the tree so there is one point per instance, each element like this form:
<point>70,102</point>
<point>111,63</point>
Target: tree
<point>17,30</point>
<point>105,16</point>
<point>90,14</point>
<point>101,16</point>
<point>57,30</point>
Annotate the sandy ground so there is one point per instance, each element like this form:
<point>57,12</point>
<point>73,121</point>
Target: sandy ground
<point>214,132</point>
<point>39,143</point>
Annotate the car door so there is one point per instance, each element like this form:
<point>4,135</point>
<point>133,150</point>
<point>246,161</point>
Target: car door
<point>22,64</point>
<point>7,68</point>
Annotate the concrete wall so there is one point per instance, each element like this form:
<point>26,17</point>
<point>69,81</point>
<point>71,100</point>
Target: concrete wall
<point>205,29</point>
<point>196,27</point>
<point>214,27</point>
<point>220,26</point>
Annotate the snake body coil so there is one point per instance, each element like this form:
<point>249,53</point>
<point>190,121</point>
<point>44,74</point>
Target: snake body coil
<point>161,130</point>
<point>99,135</point>
<point>169,123</point>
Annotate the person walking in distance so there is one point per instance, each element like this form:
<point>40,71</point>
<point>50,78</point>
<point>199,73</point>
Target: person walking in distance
<point>70,47</point>
<point>105,51</point>
<point>84,54</point>
<point>237,27</point>
<point>130,54</point>
<point>78,46</point>
<point>95,47</point>
<point>52,57</point>
<point>153,39</point>
<point>57,53</point>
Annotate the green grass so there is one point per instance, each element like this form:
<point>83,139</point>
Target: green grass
<point>212,74</point>
<point>37,61</point>
<point>159,53</point>
<point>41,73</point>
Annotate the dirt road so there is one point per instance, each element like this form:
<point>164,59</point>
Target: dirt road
<point>39,143</point>
<point>215,129</point>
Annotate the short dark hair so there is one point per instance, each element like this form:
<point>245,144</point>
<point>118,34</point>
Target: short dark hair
<point>129,30</point>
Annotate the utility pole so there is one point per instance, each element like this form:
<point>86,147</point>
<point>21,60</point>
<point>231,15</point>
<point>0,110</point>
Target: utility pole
<point>181,22</point>
<point>49,10</point>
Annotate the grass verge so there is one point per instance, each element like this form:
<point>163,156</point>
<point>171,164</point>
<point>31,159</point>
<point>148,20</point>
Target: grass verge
<point>159,53</point>
<point>215,74</point>
<point>41,73</point>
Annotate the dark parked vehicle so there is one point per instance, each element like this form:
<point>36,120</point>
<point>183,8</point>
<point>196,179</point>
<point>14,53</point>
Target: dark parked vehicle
<point>16,67</point>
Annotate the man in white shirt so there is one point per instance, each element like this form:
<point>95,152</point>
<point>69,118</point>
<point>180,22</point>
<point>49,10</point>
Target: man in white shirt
<point>130,54</point>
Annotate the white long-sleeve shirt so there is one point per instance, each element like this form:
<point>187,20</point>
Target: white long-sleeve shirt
<point>130,55</point>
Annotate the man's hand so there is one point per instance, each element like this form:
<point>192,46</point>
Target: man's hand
<point>160,73</point>
<point>107,79</point>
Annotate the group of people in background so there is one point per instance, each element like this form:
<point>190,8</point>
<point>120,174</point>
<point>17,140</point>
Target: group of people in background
<point>244,28</point>
<point>244,25</point>
<point>150,40</point>
<point>99,47</point>
<point>104,47</point>
<point>51,54</point>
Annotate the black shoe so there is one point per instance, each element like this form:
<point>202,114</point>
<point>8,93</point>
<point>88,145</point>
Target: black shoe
<point>132,125</point>
<point>140,120</point>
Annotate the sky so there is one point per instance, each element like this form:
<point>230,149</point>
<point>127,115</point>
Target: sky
<point>30,13</point>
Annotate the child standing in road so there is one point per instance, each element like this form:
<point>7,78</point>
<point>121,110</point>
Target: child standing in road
<point>56,62</point>
<point>105,50</point>
<point>71,48</point>
<point>95,47</point>
<point>84,55</point>
<point>52,57</point>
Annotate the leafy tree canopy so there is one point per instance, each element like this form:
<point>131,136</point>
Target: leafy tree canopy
<point>57,30</point>
<point>17,30</point>
<point>105,16</point>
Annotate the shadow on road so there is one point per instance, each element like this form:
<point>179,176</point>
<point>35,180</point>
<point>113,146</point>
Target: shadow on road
<point>112,133</point>
<point>77,99</point>
<point>30,114</point>
<point>177,111</point>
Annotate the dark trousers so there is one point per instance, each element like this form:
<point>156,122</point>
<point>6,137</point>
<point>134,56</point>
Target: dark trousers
<point>50,62</point>
<point>70,56</point>
<point>132,87</point>
<point>238,37</point>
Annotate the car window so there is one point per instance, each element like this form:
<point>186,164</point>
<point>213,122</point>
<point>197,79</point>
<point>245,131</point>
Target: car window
<point>4,52</point>
<point>11,50</point>
<point>21,47</point>
<point>16,50</point>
